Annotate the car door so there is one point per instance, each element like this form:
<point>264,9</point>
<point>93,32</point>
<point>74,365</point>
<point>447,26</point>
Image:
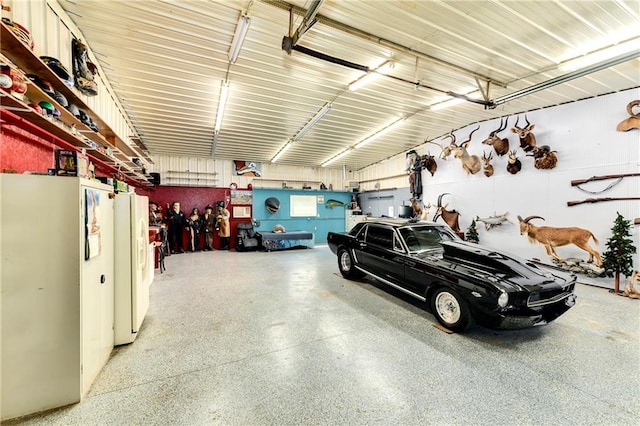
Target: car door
<point>383,253</point>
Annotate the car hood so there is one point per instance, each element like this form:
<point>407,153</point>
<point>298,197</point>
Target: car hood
<point>502,268</point>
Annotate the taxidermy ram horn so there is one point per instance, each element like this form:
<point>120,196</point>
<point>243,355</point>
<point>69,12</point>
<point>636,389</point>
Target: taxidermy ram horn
<point>632,122</point>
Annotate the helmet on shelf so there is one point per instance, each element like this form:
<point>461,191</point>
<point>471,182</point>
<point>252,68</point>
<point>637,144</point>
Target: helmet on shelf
<point>73,109</point>
<point>61,99</point>
<point>47,107</point>
<point>37,108</point>
<point>59,69</point>
<point>19,81</point>
<point>43,84</point>
<point>5,81</point>
<point>20,31</point>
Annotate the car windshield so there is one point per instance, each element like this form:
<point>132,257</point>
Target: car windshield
<point>422,238</point>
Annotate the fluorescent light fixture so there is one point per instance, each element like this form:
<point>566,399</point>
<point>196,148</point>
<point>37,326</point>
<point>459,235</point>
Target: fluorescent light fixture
<point>282,151</point>
<point>370,76</point>
<point>337,157</point>
<point>325,109</point>
<point>215,143</point>
<point>380,133</point>
<point>601,55</point>
<point>238,38</point>
<point>224,92</point>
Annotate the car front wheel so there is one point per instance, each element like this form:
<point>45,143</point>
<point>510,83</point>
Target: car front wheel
<point>451,310</point>
<point>346,265</point>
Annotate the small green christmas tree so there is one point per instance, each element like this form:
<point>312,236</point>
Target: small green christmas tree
<point>472,233</point>
<point>618,259</point>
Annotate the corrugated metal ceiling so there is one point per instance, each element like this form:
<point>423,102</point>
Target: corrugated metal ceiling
<point>166,61</point>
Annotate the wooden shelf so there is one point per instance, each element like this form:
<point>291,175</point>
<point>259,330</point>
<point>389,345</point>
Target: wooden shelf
<point>21,56</point>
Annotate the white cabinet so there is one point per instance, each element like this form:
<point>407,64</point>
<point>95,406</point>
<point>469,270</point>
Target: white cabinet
<point>57,307</point>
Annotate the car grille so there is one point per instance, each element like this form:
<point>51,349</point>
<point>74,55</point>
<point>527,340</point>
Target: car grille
<point>546,297</point>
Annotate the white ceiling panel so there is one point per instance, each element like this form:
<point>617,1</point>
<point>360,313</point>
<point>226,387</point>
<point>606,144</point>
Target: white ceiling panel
<point>166,61</point>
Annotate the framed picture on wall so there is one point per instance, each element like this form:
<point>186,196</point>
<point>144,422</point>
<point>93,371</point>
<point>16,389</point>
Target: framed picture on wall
<point>241,197</point>
<point>303,205</point>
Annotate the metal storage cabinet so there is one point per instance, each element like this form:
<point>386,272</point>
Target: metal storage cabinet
<point>57,308</point>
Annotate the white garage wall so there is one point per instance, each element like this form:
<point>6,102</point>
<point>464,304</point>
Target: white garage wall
<point>587,144</point>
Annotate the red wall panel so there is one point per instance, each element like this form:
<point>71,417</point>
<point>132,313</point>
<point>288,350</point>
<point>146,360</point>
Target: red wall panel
<point>190,197</point>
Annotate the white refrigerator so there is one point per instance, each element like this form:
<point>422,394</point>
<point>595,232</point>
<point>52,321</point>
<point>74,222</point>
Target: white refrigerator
<point>57,299</point>
<point>132,265</point>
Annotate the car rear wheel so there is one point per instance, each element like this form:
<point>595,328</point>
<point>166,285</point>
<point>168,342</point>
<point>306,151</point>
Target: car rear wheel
<point>346,265</point>
<point>451,310</point>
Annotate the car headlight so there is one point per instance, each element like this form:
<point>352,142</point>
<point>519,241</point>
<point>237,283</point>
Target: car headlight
<point>503,299</point>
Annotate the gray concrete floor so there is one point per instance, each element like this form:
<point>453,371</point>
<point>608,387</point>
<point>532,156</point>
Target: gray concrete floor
<point>281,339</point>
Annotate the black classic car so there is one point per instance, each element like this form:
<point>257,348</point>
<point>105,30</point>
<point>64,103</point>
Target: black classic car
<point>463,282</point>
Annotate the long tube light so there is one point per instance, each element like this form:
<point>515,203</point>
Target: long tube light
<point>325,109</point>
<point>224,93</point>
<point>370,76</point>
<point>238,38</point>
<point>566,77</point>
<point>282,151</point>
<point>337,157</point>
<point>215,143</point>
<point>380,133</point>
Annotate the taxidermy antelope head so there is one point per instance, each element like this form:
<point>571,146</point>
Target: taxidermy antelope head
<point>527,139</point>
<point>447,150</point>
<point>449,216</point>
<point>556,237</point>
<point>500,145</point>
<point>488,168</point>
<point>470,163</point>
<point>632,122</point>
<point>513,164</point>
<point>421,212</point>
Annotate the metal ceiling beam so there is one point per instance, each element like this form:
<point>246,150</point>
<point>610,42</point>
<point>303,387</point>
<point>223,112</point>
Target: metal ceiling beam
<point>376,39</point>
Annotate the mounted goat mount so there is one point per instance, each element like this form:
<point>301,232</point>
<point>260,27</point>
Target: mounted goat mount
<point>551,238</point>
<point>500,145</point>
<point>488,168</point>
<point>450,217</point>
<point>632,122</point>
<point>543,157</point>
<point>513,164</point>
<point>527,139</point>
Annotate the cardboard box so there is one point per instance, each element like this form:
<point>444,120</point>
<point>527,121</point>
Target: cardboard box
<point>72,163</point>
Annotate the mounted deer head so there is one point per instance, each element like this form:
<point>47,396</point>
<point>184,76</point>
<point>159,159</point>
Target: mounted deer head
<point>527,139</point>
<point>488,168</point>
<point>470,163</point>
<point>500,145</point>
